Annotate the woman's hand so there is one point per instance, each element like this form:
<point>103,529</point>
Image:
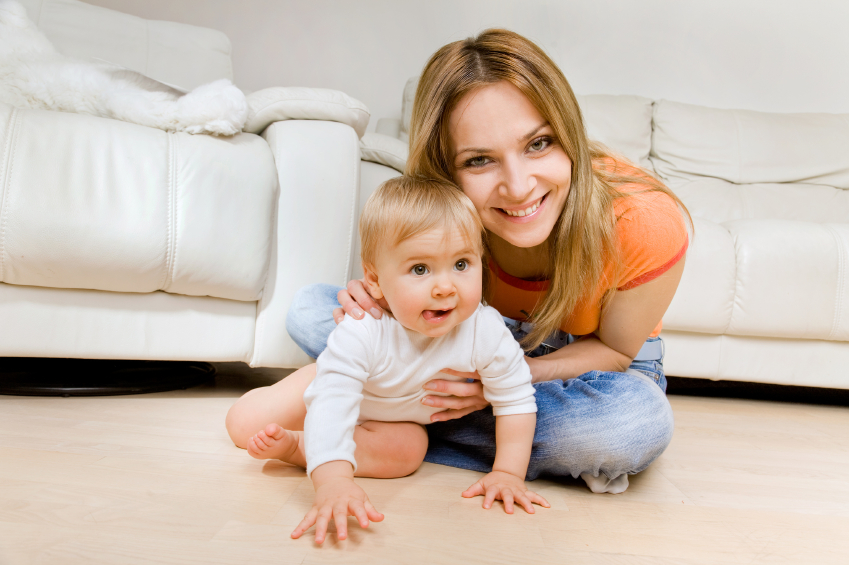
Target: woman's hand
<point>499,485</point>
<point>356,301</point>
<point>464,398</point>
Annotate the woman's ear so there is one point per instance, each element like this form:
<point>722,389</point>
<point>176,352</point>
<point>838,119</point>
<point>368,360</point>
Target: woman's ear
<point>372,285</point>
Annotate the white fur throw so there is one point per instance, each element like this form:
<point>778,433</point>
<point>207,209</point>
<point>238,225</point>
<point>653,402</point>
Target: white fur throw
<point>34,75</point>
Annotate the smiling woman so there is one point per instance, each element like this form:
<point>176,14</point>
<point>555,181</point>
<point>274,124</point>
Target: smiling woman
<point>584,249</point>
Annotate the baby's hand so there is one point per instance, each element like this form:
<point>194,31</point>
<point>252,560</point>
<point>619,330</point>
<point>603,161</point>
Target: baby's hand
<point>506,487</point>
<point>338,499</point>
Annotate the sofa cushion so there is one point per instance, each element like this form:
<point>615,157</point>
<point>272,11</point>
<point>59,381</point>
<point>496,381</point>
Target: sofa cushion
<point>622,123</point>
<point>94,203</point>
<point>743,146</point>
<point>721,201</point>
<point>765,277</point>
<point>179,54</point>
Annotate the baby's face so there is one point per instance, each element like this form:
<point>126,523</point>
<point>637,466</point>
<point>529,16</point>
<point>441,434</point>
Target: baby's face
<point>432,281</point>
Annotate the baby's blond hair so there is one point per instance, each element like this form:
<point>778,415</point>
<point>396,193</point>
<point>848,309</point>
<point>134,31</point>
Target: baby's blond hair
<point>405,206</point>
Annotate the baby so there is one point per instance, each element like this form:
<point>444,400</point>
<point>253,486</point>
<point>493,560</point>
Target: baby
<point>421,251</point>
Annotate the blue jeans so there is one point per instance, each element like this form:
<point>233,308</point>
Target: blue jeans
<point>601,422</point>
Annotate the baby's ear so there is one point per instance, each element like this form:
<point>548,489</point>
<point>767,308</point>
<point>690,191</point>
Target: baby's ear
<point>372,285</point>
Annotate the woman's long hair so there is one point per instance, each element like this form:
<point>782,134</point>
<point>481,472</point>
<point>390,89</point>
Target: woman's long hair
<point>582,241</point>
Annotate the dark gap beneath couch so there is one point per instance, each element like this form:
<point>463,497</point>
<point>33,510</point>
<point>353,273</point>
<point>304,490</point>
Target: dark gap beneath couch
<point>686,386</point>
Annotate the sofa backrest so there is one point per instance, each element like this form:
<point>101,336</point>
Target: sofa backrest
<point>741,164</point>
<point>177,54</point>
<point>621,122</point>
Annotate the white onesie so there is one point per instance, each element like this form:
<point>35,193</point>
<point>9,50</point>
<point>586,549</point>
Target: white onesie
<point>374,370</point>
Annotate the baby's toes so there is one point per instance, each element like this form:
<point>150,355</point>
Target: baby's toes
<point>274,431</point>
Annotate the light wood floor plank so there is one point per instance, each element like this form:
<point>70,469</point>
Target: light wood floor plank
<point>155,479</point>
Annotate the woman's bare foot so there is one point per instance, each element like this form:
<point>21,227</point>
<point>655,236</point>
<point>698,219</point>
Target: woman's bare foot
<point>276,443</point>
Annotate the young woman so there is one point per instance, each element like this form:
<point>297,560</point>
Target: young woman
<point>585,249</point>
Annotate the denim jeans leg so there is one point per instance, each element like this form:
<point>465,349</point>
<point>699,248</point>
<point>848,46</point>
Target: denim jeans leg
<point>310,318</point>
<point>600,422</point>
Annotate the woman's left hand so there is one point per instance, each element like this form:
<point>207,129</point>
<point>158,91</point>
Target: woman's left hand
<point>464,398</point>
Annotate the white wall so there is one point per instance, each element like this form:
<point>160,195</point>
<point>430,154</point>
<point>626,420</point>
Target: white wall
<point>771,55</point>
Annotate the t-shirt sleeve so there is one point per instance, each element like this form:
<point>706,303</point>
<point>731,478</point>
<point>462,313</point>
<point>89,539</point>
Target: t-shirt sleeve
<point>333,398</point>
<point>652,237</point>
<point>500,362</point>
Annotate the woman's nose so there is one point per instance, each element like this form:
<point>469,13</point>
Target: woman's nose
<point>518,181</point>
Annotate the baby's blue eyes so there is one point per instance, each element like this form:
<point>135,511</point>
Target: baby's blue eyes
<point>421,270</point>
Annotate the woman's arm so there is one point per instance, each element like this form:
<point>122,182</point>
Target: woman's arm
<point>625,325</point>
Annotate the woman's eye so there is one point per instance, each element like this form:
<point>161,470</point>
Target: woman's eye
<point>539,144</point>
<point>419,270</point>
<point>461,265</point>
<point>476,162</point>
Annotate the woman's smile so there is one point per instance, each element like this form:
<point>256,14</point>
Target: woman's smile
<point>522,215</point>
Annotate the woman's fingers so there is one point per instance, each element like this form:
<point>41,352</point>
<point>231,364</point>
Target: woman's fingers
<point>462,374</point>
<point>455,388</point>
<point>338,315</point>
<point>446,415</point>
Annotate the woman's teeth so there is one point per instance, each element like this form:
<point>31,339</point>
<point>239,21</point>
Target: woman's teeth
<point>526,212</point>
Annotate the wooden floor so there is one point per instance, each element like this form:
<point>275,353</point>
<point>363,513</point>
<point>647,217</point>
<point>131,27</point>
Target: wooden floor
<point>154,479</point>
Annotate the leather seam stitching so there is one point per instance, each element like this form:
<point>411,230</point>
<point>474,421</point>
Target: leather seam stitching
<point>739,150</point>
<point>275,249</point>
<point>9,151</point>
<point>355,203</point>
<point>169,229</point>
<point>841,271</point>
<point>736,285</point>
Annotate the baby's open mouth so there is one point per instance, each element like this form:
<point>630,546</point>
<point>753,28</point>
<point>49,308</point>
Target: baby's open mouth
<point>435,315</point>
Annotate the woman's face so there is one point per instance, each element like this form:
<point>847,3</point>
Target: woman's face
<point>509,163</point>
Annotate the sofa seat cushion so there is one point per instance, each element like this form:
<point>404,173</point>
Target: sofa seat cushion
<point>100,204</point>
<point>765,277</point>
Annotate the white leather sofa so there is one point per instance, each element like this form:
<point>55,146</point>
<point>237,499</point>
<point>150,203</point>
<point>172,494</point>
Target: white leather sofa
<point>119,241</point>
<point>765,292</point>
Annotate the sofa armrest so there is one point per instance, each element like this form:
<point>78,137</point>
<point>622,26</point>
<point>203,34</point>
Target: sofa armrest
<point>384,150</point>
<point>279,104</point>
<point>318,168</point>
<point>389,126</point>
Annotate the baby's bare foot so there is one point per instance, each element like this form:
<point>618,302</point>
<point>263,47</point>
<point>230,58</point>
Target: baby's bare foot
<point>276,443</point>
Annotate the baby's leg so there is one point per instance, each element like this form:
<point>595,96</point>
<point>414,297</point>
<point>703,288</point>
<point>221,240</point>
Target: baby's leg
<point>385,450</point>
<point>281,403</point>
<point>268,421</point>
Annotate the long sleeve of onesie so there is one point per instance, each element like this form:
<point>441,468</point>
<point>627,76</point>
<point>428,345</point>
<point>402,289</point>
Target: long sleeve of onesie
<point>333,398</point>
<point>501,364</point>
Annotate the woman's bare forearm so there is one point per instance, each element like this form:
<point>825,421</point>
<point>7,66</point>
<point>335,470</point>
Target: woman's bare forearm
<point>587,354</point>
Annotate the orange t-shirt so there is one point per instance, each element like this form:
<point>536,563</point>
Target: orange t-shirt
<point>651,236</point>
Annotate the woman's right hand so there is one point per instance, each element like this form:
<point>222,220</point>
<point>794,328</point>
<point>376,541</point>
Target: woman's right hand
<point>356,301</point>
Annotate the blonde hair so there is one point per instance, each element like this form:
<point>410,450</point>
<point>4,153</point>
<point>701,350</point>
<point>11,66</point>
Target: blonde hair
<point>583,239</point>
<point>404,207</point>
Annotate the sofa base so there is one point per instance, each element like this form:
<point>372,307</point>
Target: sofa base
<point>91,324</point>
<point>757,359</point>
